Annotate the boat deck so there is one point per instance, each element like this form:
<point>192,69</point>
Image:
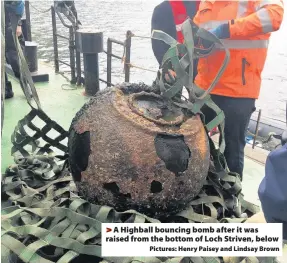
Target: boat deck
<point>61,105</point>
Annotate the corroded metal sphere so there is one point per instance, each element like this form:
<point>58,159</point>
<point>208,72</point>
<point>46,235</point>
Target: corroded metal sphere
<point>130,149</point>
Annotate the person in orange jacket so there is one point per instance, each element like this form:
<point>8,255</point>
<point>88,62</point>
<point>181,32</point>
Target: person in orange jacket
<point>244,26</point>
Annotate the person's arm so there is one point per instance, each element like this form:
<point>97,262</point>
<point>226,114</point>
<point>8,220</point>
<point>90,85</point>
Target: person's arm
<point>266,19</point>
<point>162,19</point>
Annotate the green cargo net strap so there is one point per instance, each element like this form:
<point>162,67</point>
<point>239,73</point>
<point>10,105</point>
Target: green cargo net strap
<point>42,173</point>
<point>33,191</point>
<point>197,96</point>
<point>25,184</point>
<point>72,225</point>
<point>196,107</point>
<point>37,179</point>
<point>77,229</point>
<point>179,66</point>
<point>26,81</point>
<point>21,138</point>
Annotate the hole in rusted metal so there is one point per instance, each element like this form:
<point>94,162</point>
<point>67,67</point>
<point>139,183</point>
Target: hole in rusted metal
<point>172,149</point>
<point>156,187</point>
<point>112,187</point>
<point>128,195</point>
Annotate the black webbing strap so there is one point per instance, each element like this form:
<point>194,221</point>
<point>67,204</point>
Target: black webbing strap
<point>26,82</point>
<point>52,214</point>
<point>21,138</point>
<point>179,58</point>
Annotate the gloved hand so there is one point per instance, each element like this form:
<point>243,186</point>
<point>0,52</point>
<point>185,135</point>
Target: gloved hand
<point>222,31</point>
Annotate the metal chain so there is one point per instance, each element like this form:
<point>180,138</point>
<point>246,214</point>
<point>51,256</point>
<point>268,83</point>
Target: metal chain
<point>41,11</point>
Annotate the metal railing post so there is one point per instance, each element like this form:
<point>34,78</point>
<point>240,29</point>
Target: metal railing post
<point>109,63</point>
<point>72,54</point>
<point>28,21</point>
<point>90,44</point>
<point>128,55</point>
<point>80,42</point>
<point>78,59</point>
<point>55,40</point>
<point>78,68</point>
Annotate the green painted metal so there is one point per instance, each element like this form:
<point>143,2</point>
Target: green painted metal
<point>59,99</point>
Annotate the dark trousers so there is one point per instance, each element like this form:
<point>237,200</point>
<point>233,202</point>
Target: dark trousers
<point>237,113</point>
<point>12,56</point>
<point>11,52</point>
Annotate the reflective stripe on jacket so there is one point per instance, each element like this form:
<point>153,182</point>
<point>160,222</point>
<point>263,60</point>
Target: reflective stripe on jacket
<point>250,24</point>
<point>179,16</point>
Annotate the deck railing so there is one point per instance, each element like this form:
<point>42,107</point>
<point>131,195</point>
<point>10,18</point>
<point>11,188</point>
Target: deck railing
<point>75,61</point>
<point>126,57</point>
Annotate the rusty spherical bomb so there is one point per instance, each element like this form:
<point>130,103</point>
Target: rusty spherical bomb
<point>130,149</point>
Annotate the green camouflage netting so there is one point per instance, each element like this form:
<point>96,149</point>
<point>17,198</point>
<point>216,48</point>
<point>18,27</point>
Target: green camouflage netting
<point>49,222</point>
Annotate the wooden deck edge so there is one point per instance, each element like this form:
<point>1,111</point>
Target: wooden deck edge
<point>257,154</point>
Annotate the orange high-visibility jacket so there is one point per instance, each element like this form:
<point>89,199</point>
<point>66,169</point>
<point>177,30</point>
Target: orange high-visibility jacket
<point>250,24</point>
